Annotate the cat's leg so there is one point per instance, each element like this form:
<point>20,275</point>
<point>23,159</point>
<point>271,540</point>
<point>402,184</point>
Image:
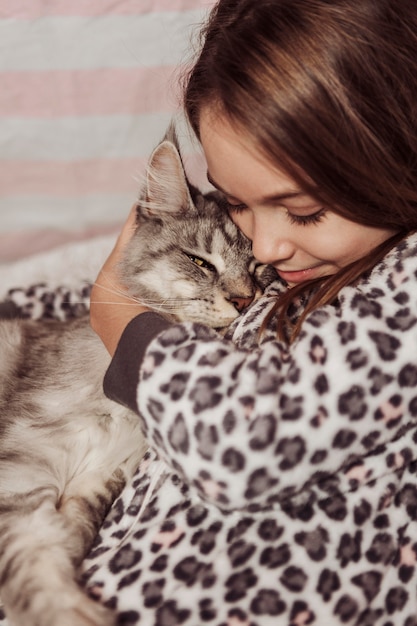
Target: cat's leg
<point>91,491</point>
<point>111,463</point>
<point>84,505</point>
<point>37,554</point>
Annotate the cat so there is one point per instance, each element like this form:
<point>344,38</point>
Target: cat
<point>66,451</point>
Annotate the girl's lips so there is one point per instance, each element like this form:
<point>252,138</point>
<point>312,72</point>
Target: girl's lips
<point>299,276</point>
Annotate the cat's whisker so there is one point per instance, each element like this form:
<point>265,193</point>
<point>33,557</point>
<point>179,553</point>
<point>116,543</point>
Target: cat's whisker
<point>144,301</point>
<point>114,288</point>
<point>115,303</point>
<point>170,302</point>
<point>135,301</point>
<point>178,301</point>
<point>170,305</point>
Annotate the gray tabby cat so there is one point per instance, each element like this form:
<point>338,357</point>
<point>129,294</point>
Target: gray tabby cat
<point>66,451</point>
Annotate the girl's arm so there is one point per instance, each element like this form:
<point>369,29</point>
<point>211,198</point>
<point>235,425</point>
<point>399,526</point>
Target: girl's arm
<point>110,309</point>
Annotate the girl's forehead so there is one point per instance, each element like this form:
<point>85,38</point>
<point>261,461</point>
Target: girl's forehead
<point>237,167</point>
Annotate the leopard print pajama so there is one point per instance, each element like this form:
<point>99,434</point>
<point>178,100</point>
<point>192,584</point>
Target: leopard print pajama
<point>281,488</point>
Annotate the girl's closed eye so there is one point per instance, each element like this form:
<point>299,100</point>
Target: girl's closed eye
<point>231,207</point>
<point>303,220</point>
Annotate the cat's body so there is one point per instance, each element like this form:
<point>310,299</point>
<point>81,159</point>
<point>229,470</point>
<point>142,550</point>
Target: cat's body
<point>66,451</point>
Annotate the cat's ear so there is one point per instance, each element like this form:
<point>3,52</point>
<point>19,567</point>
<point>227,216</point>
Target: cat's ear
<point>166,184</point>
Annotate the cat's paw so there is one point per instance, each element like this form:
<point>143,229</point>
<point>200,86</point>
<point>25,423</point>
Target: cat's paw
<point>87,613</point>
<point>63,609</point>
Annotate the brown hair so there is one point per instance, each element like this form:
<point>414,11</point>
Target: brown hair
<point>327,90</point>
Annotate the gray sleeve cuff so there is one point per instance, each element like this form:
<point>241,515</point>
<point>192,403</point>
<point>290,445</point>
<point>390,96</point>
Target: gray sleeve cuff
<point>122,377</point>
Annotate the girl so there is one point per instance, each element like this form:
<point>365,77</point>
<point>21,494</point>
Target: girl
<point>281,487</point>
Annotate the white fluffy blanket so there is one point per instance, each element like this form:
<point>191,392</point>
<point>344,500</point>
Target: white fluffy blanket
<point>71,265</point>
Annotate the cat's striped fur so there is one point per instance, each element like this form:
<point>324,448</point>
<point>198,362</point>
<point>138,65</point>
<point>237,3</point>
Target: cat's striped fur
<point>66,450</point>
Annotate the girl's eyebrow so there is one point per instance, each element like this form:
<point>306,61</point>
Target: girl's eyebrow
<point>285,195</point>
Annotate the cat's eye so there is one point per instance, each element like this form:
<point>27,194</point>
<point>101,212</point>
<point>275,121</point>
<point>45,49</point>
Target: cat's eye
<point>201,262</point>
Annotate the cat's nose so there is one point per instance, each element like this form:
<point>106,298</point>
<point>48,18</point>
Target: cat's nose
<point>241,302</point>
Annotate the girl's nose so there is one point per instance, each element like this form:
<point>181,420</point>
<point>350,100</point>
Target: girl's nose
<point>270,246</point>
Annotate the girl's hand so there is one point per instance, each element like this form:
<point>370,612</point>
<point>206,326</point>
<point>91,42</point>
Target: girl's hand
<point>110,309</point>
